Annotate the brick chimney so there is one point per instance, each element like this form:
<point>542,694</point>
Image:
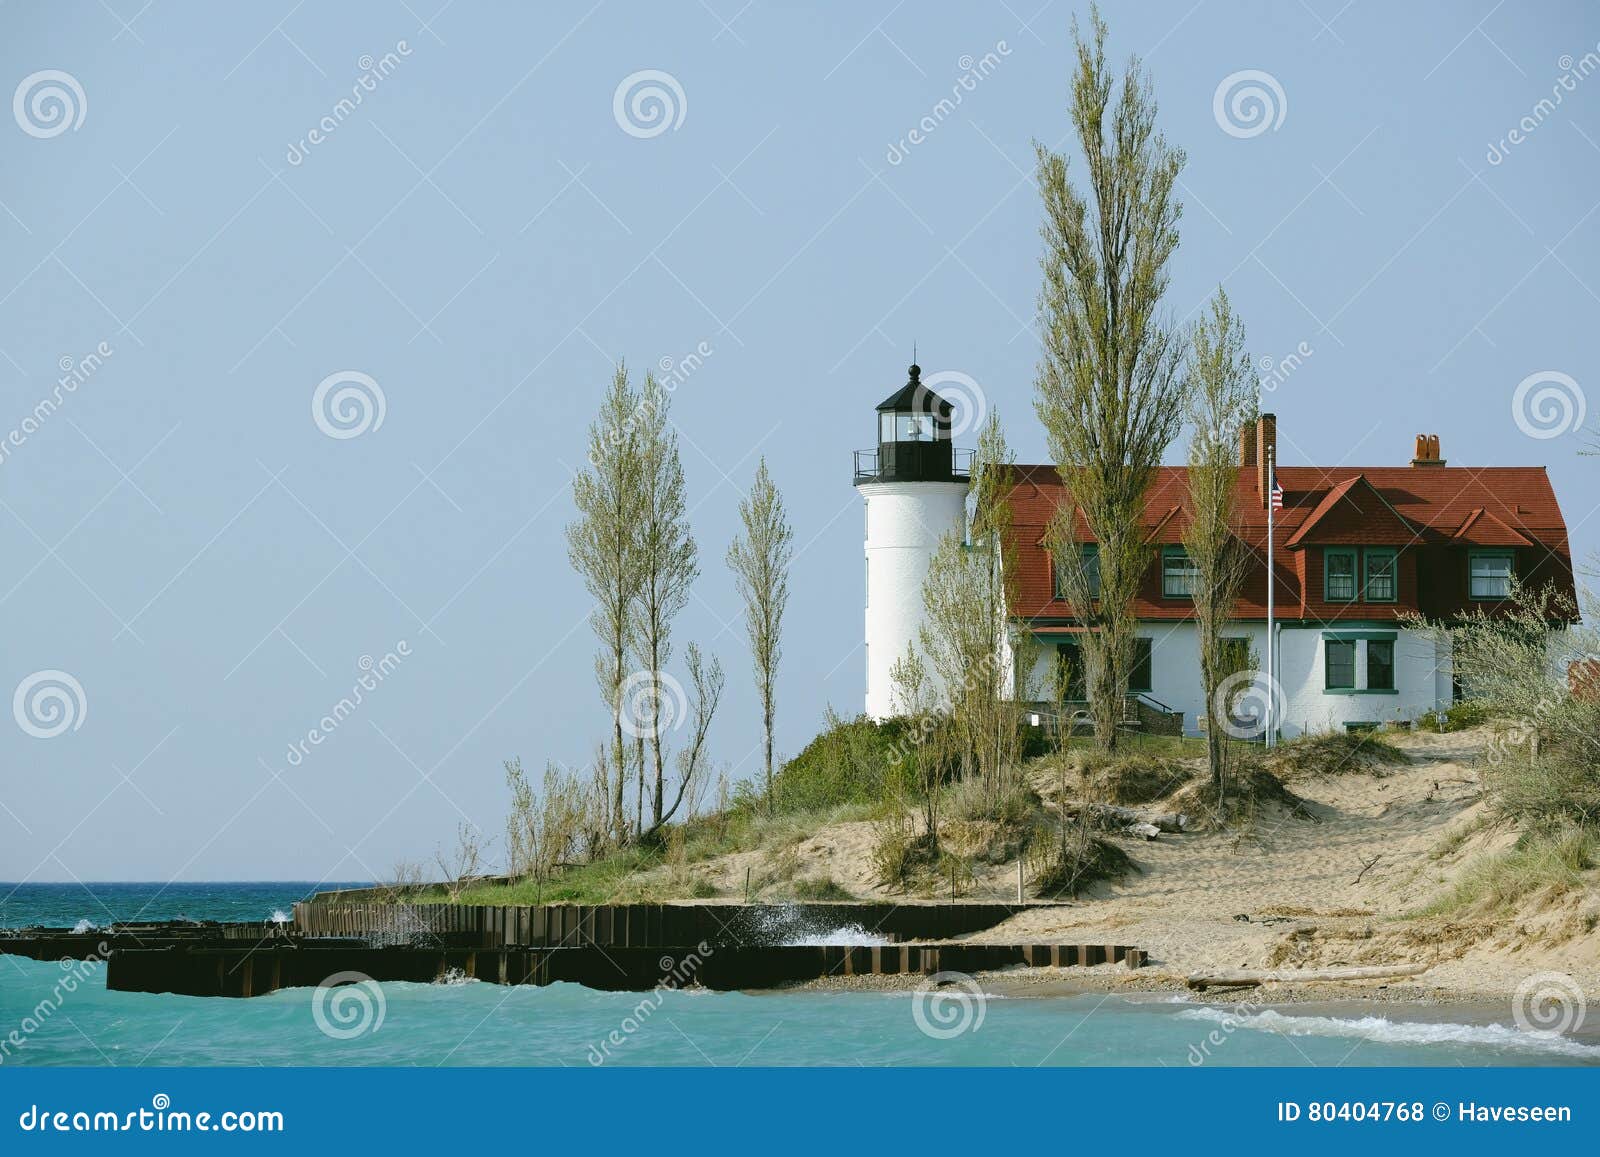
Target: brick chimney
<point>1247,445</point>
<point>1427,451</point>
<point>1266,455</point>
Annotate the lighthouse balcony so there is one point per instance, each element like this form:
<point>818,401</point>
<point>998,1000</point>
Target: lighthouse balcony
<point>913,462</point>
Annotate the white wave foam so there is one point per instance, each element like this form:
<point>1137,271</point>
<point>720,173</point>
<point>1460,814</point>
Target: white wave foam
<point>850,934</point>
<point>85,925</point>
<point>1404,1032</point>
<point>279,916</point>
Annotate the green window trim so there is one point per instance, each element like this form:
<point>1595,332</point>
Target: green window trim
<point>1380,666</point>
<point>1343,664</point>
<point>1380,553</point>
<point>1360,691</point>
<point>1349,554</point>
<point>1511,570</point>
<point>1184,572</point>
<point>1090,553</point>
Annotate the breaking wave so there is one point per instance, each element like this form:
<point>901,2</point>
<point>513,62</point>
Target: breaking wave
<point>1402,1032</point>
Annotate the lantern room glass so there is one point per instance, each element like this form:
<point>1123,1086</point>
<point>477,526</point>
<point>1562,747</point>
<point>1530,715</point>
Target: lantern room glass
<point>909,427</point>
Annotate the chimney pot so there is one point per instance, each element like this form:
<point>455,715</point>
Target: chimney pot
<point>1266,454</point>
<point>1427,451</point>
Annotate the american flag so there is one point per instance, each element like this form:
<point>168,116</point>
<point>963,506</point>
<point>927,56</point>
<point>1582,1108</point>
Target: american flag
<point>1277,493</point>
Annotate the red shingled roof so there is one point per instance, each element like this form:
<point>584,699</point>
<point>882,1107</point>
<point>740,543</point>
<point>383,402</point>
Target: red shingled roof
<point>1430,514</point>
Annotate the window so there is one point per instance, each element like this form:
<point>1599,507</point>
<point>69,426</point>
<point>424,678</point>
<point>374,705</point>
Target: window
<point>1091,570</point>
<point>904,427</point>
<point>1069,672</point>
<point>1179,576</point>
<point>1139,677</point>
<point>1380,665</point>
<point>1340,664</point>
<point>1339,575</point>
<point>1380,584</point>
<point>1489,575</point>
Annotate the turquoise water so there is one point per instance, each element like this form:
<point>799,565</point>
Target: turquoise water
<point>64,905</point>
<point>62,1015</point>
<point>483,1024</point>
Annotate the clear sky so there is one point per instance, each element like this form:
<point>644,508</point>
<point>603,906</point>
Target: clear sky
<point>482,236</point>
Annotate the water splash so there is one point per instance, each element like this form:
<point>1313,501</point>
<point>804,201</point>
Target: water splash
<point>794,924</point>
<point>279,916</point>
<point>84,925</point>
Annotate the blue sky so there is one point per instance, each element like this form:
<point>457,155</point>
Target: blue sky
<point>482,236</point>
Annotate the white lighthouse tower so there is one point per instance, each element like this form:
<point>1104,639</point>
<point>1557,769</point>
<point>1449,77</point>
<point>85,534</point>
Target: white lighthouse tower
<point>916,492</point>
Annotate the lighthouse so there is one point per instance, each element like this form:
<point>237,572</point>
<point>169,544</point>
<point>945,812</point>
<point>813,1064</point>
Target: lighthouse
<point>915,487</point>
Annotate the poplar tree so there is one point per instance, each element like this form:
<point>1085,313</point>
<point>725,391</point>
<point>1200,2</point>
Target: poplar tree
<point>759,559</point>
<point>1108,387</point>
<point>967,594</point>
<point>668,562</point>
<point>1222,401</point>
<point>603,546</point>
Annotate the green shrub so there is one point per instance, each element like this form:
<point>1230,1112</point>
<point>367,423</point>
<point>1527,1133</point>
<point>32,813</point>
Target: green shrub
<point>851,761</point>
<point>1457,717</point>
<point>820,889</point>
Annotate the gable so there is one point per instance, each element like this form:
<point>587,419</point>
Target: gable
<point>1354,513</point>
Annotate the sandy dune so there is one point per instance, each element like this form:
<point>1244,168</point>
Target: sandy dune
<point>1289,893</point>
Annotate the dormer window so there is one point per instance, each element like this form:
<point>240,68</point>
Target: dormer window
<point>1339,575</point>
<point>1489,574</point>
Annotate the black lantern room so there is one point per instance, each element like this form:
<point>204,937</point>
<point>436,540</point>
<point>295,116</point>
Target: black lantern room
<point>914,426</point>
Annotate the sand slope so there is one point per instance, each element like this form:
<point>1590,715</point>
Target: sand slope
<point>1286,893</point>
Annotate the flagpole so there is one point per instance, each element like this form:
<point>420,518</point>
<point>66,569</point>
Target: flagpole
<point>1272,698</point>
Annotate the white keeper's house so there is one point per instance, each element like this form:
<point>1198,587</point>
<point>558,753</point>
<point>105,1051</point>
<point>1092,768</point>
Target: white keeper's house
<point>1355,549</point>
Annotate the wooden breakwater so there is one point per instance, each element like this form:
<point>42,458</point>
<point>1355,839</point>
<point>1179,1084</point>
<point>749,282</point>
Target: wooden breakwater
<point>641,925</point>
<point>240,971</point>
<point>70,944</point>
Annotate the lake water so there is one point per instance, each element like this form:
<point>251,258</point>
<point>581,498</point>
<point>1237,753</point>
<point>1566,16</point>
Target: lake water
<point>483,1024</point>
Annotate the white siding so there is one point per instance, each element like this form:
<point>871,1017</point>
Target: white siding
<point>1422,680</point>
